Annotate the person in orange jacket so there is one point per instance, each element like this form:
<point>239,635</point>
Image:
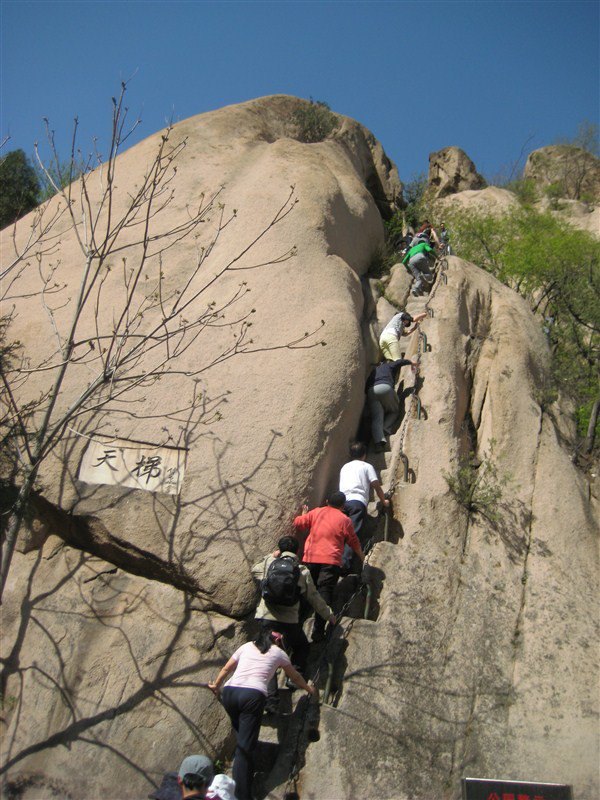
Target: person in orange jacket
<point>329,529</point>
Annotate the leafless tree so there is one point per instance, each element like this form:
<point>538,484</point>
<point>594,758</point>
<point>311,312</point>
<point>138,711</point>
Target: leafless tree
<point>152,324</point>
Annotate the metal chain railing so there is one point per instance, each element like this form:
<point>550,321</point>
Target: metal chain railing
<point>442,277</point>
<point>422,346</point>
<point>324,658</point>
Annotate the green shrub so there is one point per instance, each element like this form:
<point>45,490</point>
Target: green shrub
<point>477,487</point>
<point>314,121</point>
<point>415,196</point>
<point>19,187</point>
<point>383,260</point>
<point>556,268</point>
<point>525,190</point>
<point>554,192</point>
<point>394,228</point>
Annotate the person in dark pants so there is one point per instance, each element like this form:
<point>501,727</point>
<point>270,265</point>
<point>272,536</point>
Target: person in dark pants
<point>286,618</point>
<point>329,530</point>
<point>383,399</point>
<point>244,696</point>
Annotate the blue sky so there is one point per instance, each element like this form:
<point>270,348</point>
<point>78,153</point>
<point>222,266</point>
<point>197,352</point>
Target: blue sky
<point>421,75</point>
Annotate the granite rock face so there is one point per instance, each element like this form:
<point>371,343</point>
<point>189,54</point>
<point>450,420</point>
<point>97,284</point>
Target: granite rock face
<point>115,658</point>
<point>575,173</point>
<point>481,660</point>
<point>109,675</point>
<point>122,604</point>
<point>255,447</point>
<point>450,171</point>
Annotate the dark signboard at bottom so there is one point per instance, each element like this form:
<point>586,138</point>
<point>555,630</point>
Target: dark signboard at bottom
<point>485,789</point>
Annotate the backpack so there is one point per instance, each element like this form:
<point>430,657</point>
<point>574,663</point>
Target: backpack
<point>280,585</point>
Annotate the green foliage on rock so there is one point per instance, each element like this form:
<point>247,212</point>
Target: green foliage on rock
<point>314,121</point>
<point>477,486</point>
<point>19,187</point>
<point>557,269</point>
<point>415,196</point>
<point>394,228</point>
<point>388,253</point>
<point>525,190</point>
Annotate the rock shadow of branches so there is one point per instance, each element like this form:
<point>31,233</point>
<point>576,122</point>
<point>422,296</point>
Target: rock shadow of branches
<point>157,675</point>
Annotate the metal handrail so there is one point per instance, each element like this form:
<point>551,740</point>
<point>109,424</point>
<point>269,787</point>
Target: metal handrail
<point>404,458</point>
<point>368,601</point>
<point>327,690</point>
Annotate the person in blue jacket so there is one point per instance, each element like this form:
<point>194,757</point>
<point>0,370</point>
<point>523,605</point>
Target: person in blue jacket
<point>383,399</point>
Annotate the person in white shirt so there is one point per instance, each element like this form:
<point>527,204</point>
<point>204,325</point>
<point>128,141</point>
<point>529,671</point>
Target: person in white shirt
<point>401,324</point>
<point>357,478</point>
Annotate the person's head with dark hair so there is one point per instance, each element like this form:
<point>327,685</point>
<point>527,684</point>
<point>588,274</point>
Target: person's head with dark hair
<point>195,776</point>
<point>407,319</point>
<point>265,639</point>
<point>358,451</point>
<point>336,500</point>
<point>288,544</point>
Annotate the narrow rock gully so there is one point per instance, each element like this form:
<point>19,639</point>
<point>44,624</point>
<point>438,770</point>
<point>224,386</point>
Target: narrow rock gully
<point>284,738</point>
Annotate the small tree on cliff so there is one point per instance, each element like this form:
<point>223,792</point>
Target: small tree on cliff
<point>19,187</point>
<point>150,325</point>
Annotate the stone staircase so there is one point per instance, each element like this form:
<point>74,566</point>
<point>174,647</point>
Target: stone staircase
<point>285,738</point>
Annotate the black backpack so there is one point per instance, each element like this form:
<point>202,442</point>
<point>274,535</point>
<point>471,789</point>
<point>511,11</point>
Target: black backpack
<point>280,585</point>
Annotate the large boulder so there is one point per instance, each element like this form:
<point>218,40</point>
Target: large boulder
<point>269,428</point>
<point>450,171</point>
<point>255,446</point>
<point>491,200</point>
<point>572,172</point>
<point>398,287</point>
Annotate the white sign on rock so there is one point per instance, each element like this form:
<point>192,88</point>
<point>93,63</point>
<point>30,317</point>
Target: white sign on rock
<point>119,462</point>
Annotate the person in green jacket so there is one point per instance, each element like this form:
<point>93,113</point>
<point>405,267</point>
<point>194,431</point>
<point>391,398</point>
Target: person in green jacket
<point>419,260</point>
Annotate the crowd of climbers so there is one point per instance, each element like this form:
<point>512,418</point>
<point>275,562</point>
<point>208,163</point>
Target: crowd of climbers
<point>331,538</point>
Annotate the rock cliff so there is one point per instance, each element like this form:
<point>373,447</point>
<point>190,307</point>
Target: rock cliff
<point>481,660</point>
<point>118,600</point>
<point>480,653</point>
<point>498,201</point>
<point>450,171</point>
<point>574,172</point>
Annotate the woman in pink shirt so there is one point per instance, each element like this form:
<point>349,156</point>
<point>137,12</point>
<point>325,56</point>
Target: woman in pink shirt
<point>245,694</point>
